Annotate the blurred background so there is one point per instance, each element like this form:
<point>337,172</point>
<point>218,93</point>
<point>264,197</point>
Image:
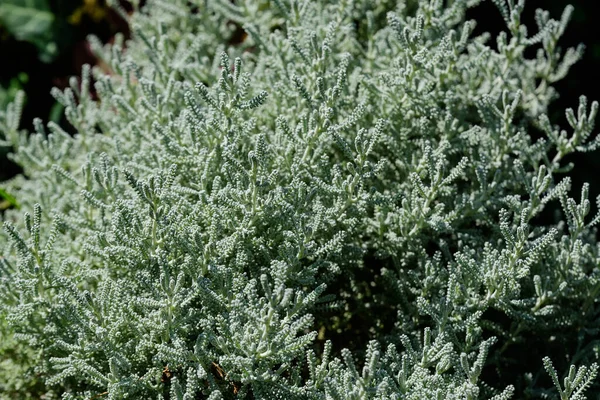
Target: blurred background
<point>43,43</point>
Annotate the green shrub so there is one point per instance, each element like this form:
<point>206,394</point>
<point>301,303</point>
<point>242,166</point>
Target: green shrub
<point>305,200</point>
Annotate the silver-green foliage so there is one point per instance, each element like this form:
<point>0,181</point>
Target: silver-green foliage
<point>220,201</point>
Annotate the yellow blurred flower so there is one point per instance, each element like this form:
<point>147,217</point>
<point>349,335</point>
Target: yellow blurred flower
<point>92,8</point>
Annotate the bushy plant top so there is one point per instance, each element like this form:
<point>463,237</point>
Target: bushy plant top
<point>305,200</point>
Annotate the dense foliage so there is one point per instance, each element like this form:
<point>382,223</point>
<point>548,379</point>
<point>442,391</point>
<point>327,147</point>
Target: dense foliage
<point>311,200</point>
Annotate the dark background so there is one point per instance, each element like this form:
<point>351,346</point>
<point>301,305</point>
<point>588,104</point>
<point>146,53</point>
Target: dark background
<point>20,57</point>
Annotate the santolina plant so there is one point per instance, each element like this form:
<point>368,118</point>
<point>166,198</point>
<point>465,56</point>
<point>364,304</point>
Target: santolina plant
<point>305,200</point>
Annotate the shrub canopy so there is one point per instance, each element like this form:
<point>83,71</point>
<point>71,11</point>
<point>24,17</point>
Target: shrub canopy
<point>304,200</point>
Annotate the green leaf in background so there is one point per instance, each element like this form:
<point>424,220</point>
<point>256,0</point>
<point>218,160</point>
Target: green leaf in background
<point>8,200</point>
<point>30,21</point>
<point>8,94</point>
<point>56,112</point>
